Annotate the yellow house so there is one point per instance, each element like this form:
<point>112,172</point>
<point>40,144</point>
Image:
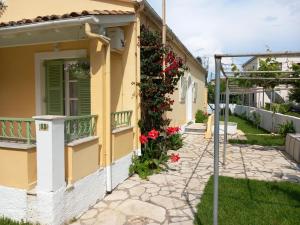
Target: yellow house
<point>69,108</point>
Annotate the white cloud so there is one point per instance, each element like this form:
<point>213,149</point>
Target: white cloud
<point>207,27</point>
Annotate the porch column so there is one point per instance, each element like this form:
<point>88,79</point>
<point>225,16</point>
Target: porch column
<point>50,152</point>
<point>98,63</point>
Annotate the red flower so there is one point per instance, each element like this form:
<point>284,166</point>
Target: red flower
<point>153,134</point>
<point>173,130</point>
<point>174,157</point>
<point>143,139</point>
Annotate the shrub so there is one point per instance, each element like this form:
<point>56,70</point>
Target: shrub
<point>146,167</point>
<point>175,142</point>
<point>256,119</point>
<point>278,108</point>
<point>201,117</point>
<point>6,221</point>
<point>286,128</point>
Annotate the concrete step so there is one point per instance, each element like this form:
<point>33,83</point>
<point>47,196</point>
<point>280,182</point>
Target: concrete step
<point>197,128</point>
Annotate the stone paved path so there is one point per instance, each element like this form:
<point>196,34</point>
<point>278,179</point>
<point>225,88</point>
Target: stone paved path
<point>171,198</point>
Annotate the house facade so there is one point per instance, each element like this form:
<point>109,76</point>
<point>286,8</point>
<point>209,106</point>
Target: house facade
<point>281,91</point>
<point>69,107</point>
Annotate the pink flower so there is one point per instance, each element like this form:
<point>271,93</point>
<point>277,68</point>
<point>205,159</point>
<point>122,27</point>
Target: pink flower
<point>153,134</point>
<point>174,157</point>
<point>143,139</point>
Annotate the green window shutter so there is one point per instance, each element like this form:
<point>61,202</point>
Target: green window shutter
<point>84,96</point>
<point>54,87</point>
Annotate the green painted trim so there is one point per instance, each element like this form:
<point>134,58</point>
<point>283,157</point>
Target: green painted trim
<point>121,119</point>
<point>77,127</point>
<point>12,129</point>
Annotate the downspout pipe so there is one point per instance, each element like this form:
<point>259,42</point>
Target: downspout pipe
<point>55,24</point>
<point>108,154</point>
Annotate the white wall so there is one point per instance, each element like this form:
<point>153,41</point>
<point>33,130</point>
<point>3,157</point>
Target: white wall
<point>269,121</point>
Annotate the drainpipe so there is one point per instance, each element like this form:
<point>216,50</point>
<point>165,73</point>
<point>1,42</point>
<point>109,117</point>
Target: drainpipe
<point>108,154</point>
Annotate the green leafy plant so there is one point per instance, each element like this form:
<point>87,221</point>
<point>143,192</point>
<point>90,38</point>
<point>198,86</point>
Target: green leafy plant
<point>175,142</point>
<point>6,221</point>
<point>294,94</point>
<point>174,138</point>
<point>256,119</point>
<point>201,117</point>
<point>286,128</point>
<point>80,69</point>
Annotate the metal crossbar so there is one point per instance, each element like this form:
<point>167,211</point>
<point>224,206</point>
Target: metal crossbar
<point>17,129</point>
<point>77,127</point>
<point>121,119</point>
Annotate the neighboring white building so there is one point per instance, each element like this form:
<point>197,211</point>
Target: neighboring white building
<point>281,91</point>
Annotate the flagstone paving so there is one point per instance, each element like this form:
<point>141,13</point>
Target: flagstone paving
<point>170,198</point>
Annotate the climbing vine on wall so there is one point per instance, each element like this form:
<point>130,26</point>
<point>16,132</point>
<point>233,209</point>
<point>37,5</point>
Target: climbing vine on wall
<point>157,85</point>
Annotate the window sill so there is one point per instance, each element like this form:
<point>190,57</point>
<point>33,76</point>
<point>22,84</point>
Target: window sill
<point>121,129</point>
<point>17,146</point>
<point>82,140</point>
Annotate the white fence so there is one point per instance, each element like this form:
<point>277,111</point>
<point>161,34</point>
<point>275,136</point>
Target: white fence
<point>269,121</point>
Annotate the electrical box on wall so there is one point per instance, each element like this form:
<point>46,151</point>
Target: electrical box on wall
<point>117,38</point>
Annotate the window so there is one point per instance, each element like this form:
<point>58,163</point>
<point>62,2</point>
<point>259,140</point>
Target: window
<point>195,92</point>
<point>182,89</point>
<point>67,93</point>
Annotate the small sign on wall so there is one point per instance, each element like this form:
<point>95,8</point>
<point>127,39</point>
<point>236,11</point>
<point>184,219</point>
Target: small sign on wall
<point>43,127</point>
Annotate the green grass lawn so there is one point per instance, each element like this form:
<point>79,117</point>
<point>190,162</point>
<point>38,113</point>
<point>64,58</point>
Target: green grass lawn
<point>251,202</point>
<point>254,135</point>
<point>5,221</point>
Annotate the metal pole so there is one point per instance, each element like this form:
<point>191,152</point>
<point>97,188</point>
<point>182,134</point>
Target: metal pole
<point>216,139</point>
<point>164,33</point>
<point>263,54</point>
<point>164,30</point>
<point>226,122</point>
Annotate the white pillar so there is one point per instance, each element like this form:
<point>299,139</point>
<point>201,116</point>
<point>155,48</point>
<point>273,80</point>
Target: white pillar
<point>50,152</point>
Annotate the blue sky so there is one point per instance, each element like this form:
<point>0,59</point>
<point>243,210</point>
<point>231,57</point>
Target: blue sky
<point>207,27</point>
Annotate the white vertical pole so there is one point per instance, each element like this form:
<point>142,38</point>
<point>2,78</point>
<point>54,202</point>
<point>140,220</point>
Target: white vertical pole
<point>164,32</point>
<point>50,144</point>
<point>216,140</point>
<point>164,28</point>
<point>226,122</point>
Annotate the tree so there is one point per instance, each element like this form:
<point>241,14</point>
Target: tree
<point>211,90</point>
<point>294,94</point>
<point>269,64</point>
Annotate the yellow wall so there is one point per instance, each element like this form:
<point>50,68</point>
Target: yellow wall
<point>122,143</point>
<point>17,75</point>
<point>81,160</point>
<point>18,168</point>
<point>18,9</point>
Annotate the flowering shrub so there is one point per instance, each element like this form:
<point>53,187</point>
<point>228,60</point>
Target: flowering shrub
<point>156,86</point>
<point>172,130</point>
<point>153,134</point>
<point>174,138</point>
<point>143,139</point>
